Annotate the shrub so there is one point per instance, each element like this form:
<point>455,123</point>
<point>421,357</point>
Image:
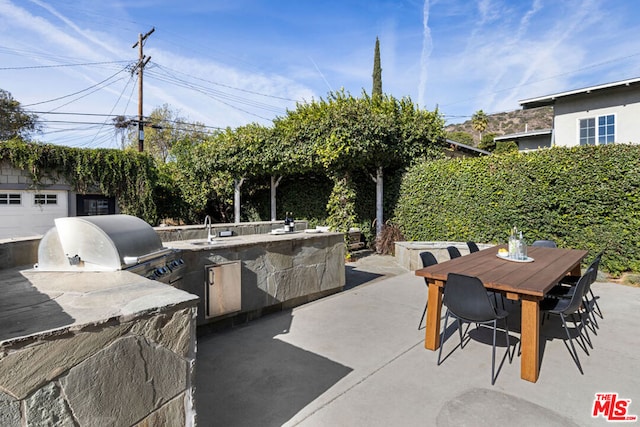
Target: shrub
<point>581,197</point>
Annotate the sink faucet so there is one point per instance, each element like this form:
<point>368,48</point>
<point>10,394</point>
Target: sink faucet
<point>207,223</point>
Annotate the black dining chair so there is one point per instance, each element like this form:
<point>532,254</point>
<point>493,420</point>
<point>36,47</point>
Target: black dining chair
<point>545,243</point>
<point>427,259</point>
<point>453,252</point>
<point>570,307</point>
<point>467,301</point>
<point>567,287</point>
<point>473,247</point>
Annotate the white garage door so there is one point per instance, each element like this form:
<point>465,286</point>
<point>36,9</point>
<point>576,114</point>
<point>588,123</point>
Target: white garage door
<point>29,213</point>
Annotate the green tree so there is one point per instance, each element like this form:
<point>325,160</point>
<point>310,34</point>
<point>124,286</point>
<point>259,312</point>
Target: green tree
<point>14,121</point>
<point>377,71</point>
<point>506,147</point>
<point>461,137</point>
<point>479,121</point>
<point>487,142</point>
<point>349,134</point>
<point>163,128</point>
<point>241,154</point>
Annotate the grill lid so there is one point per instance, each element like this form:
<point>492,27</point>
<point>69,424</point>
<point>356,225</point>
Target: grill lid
<point>103,242</point>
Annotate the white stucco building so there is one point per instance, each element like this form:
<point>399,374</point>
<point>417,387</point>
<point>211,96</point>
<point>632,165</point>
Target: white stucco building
<point>603,114</point>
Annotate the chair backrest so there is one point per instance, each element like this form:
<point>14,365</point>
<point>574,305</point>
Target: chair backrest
<point>581,289</point>
<point>545,243</point>
<point>453,252</point>
<point>472,247</point>
<point>595,265</point>
<point>467,298</point>
<point>593,272</point>
<point>428,259</point>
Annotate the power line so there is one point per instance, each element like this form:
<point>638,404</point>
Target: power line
<point>113,108</point>
<point>227,86</point>
<point>63,65</point>
<point>75,93</point>
<point>113,115</point>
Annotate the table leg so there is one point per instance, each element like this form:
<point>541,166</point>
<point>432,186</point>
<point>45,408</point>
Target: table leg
<point>432,330</point>
<point>530,339</point>
<point>576,271</point>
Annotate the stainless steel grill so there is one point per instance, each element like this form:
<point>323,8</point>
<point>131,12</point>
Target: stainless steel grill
<point>109,243</point>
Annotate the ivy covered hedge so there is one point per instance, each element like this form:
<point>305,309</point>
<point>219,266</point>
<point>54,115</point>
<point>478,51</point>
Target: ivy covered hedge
<point>128,175</point>
<point>582,197</point>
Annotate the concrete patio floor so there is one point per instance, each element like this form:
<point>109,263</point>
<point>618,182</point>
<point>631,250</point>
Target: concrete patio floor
<point>357,359</point>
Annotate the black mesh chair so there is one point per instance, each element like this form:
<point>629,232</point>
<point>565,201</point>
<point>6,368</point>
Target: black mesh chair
<point>570,307</point>
<point>472,247</point>
<point>427,259</point>
<point>467,301</point>
<point>545,243</point>
<point>453,252</point>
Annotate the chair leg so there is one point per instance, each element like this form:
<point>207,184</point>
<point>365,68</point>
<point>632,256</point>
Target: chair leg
<point>493,354</point>
<point>493,350</point>
<point>586,337</point>
<point>424,312</point>
<point>506,332</point>
<point>595,300</point>
<point>589,310</point>
<point>461,334</point>
<point>574,353</point>
<point>584,340</point>
<point>442,334</point>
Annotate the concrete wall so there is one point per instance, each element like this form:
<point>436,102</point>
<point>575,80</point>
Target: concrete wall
<point>18,252</point>
<point>407,254</point>
<point>623,102</point>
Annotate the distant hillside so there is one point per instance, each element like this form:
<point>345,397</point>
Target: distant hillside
<point>509,122</point>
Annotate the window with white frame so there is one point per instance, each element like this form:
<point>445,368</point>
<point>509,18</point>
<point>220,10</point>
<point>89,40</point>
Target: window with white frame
<point>45,199</point>
<point>10,199</point>
<point>606,129</point>
<point>601,131</point>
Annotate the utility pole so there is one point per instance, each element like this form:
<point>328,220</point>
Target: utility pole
<point>142,61</point>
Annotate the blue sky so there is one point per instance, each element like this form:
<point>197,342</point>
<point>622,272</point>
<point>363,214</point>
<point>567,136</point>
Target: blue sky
<point>228,63</point>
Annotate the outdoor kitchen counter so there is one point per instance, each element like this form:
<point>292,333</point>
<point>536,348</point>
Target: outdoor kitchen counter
<point>243,277</point>
<point>95,348</point>
<point>37,302</point>
<point>247,240</point>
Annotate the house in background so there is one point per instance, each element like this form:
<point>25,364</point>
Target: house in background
<point>458,149</point>
<point>595,115</point>
<point>29,212</point>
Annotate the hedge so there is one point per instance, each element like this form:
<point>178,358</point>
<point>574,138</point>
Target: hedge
<point>582,197</point>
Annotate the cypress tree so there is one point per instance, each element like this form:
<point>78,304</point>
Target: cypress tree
<point>377,71</point>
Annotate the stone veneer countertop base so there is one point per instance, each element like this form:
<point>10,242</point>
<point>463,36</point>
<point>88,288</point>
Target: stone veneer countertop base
<point>34,302</point>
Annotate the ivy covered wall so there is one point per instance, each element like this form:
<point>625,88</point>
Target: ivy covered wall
<point>127,175</point>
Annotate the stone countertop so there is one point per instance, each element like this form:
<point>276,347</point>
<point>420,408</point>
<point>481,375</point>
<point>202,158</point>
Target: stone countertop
<point>36,302</point>
<point>252,239</point>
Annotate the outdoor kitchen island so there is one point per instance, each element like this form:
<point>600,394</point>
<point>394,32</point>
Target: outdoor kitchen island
<point>94,349</point>
<point>242,277</point>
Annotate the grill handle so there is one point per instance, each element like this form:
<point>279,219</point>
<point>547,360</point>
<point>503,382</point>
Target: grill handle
<point>132,260</point>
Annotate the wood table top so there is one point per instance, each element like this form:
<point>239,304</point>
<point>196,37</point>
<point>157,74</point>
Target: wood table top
<point>524,278</point>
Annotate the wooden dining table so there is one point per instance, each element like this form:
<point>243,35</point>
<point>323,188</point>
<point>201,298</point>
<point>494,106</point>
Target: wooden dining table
<point>527,282</point>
